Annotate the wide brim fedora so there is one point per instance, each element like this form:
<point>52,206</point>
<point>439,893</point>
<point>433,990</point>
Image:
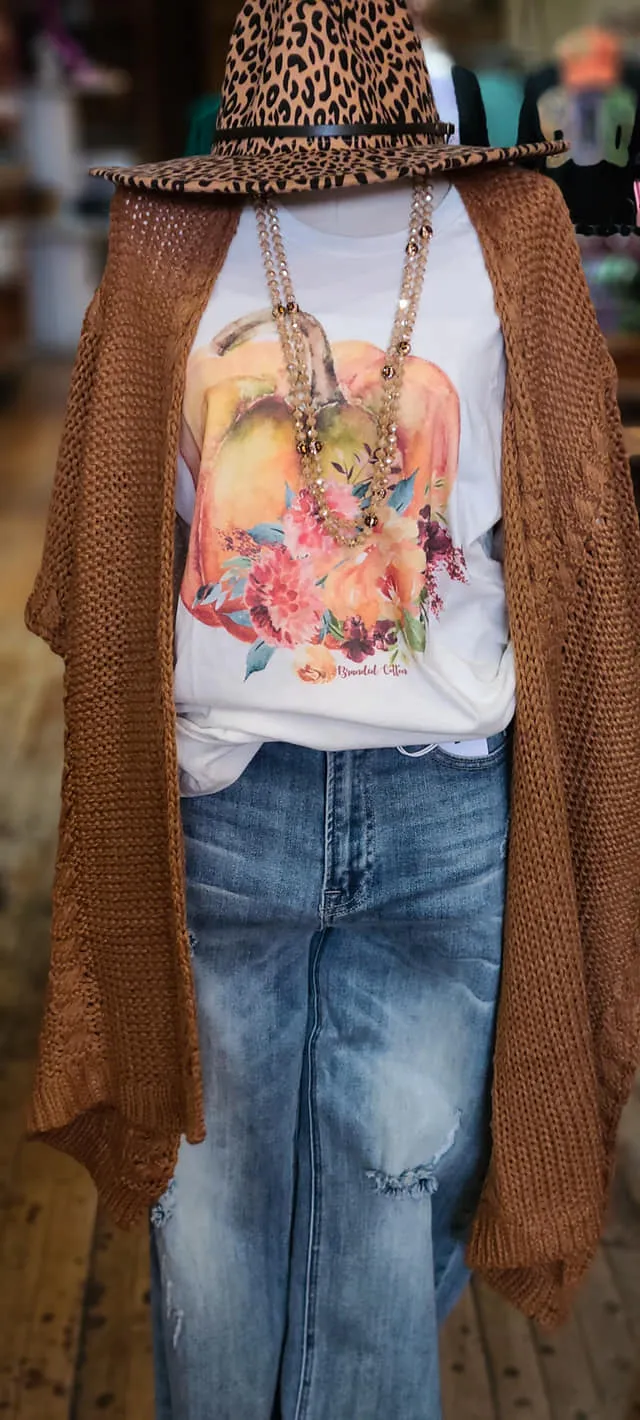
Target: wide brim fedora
<point>323,94</point>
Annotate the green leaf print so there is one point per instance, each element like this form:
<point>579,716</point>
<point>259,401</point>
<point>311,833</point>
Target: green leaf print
<point>414,632</point>
<point>241,618</point>
<point>237,564</point>
<point>258,657</point>
<point>267,534</point>
<point>234,586</point>
<point>211,592</point>
<point>402,494</point>
<point>330,627</point>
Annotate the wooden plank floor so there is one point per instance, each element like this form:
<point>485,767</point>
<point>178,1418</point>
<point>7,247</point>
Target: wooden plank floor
<point>74,1306</point>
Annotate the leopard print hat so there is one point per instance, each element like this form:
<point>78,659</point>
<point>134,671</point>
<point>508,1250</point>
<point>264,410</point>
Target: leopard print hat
<point>322,94</point>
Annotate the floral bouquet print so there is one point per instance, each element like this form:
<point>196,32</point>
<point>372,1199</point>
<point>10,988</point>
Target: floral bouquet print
<point>261,565</point>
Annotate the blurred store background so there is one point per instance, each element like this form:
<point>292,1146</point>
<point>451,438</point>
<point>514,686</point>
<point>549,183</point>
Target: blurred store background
<point>90,81</point>
<point>117,81</point>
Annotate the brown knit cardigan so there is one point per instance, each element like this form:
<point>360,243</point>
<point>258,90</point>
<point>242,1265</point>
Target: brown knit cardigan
<point>119,1077</point>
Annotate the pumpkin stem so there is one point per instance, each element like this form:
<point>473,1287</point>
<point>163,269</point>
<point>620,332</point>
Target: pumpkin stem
<point>324,383</point>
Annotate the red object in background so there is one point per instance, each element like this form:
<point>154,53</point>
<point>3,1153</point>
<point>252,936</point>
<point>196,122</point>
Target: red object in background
<point>590,59</point>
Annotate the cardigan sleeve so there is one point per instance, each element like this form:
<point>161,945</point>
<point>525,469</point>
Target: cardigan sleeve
<point>46,611</point>
<point>602,672</point>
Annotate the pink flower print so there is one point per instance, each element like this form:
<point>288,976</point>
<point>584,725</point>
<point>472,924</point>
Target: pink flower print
<point>388,585</point>
<point>239,543</point>
<point>303,532</point>
<point>385,635</point>
<point>456,565</point>
<point>438,546</point>
<point>440,556</point>
<point>282,599</point>
<point>433,537</point>
<point>357,643</point>
<point>342,501</point>
<point>432,596</point>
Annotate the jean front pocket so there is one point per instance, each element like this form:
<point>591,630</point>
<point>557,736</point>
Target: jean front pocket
<point>474,754</point>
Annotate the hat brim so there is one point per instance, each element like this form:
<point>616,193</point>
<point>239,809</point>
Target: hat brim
<point>280,171</point>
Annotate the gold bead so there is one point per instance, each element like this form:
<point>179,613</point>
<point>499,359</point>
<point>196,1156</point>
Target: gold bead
<point>292,307</point>
<point>371,520</point>
<point>303,448</point>
<point>316,447</point>
<point>279,311</point>
<point>425,232</point>
<point>404,347</point>
<point>388,372</point>
<point>412,248</point>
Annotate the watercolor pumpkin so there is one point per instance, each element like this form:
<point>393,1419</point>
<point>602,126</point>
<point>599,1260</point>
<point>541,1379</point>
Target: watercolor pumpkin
<point>254,525</point>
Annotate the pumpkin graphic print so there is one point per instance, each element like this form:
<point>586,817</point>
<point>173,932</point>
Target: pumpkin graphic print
<point>260,566</point>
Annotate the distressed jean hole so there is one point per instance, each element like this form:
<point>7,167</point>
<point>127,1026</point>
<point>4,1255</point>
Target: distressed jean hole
<point>417,1181</point>
<point>162,1211</point>
<point>412,1183</point>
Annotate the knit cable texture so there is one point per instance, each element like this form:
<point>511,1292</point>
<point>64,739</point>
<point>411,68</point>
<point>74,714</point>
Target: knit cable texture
<point>119,1079</point>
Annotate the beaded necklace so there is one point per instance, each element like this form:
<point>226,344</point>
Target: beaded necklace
<point>286,310</point>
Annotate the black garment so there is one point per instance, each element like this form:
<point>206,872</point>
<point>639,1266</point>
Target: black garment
<point>604,131</point>
<point>472,119</point>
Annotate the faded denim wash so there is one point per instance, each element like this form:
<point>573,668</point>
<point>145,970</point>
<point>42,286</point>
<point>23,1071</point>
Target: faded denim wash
<point>346,913</point>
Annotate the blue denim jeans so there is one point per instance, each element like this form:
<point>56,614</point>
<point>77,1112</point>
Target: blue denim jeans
<point>346,913</point>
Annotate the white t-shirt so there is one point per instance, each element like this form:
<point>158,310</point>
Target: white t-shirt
<point>282,634</point>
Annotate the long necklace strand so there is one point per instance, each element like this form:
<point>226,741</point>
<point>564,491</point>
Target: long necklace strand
<point>286,312</point>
